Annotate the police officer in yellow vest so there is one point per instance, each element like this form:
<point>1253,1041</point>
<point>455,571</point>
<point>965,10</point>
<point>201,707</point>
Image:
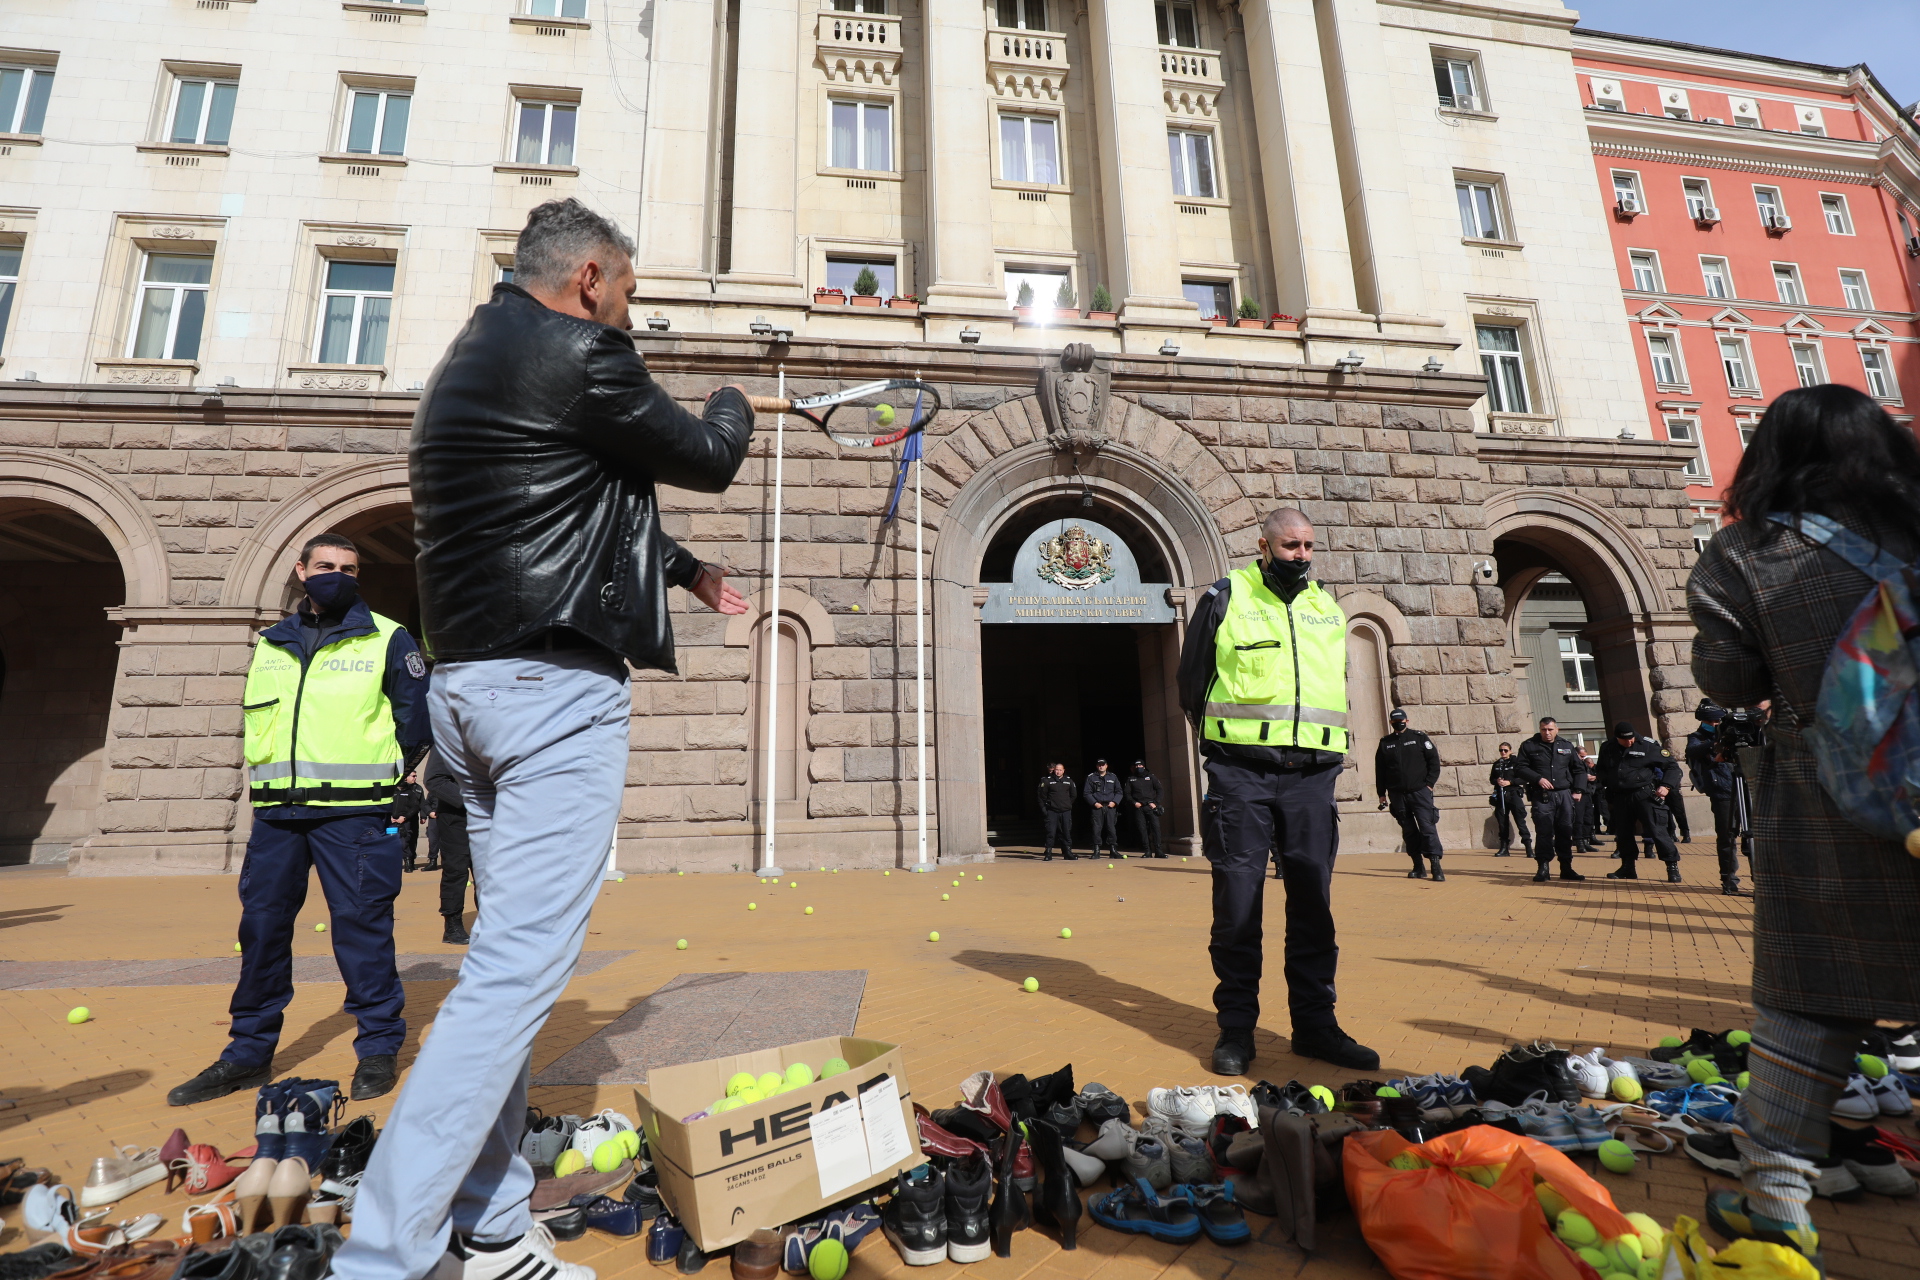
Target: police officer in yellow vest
<point>336,713</point>
<point>1263,677</point>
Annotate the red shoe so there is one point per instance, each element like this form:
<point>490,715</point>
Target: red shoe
<point>201,1169</point>
<point>940,1142</point>
<point>981,1092</point>
<point>1219,1138</point>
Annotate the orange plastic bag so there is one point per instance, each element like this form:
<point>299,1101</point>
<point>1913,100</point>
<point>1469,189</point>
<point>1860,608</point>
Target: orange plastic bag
<point>1434,1224</point>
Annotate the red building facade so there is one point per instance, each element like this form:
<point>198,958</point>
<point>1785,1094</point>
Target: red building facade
<point>1766,227</point>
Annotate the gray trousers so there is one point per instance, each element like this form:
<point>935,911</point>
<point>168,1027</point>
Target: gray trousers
<point>539,744</point>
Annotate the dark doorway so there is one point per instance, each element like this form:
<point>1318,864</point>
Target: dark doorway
<point>387,583</point>
<point>1070,692</point>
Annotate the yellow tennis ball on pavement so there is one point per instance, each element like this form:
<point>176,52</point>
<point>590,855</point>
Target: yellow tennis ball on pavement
<point>934,936</point>
<point>833,1067</point>
<point>608,1156</point>
<point>1066,933</point>
<point>800,1074</point>
<point>1626,1089</point>
<point>79,1015</point>
<point>886,873</point>
<point>1031,984</point>
<point>956,884</point>
<point>793,884</point>
<point>828,1261</point>
<point>236,946</point>
<point>945,896</point>
<point>1617,1157</point>
<point>979,877</point>
<point>680,945</point>
<point>809,910</point>
<point>321,927</point>
<point>753,906</point>
<point>570,1161</point>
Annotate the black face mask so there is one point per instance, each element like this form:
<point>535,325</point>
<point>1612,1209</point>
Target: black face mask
<point>1285,578</point>
<point>333,592</point>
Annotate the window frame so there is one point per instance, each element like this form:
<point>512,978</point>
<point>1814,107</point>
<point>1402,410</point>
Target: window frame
<point>359,296</point>
<point>1180,170</point>
<point>353,91</point>
<point>1696,469</point>
<point>1760,205</point>
<point>1681,110</point>
<point>1743,351</point>
<point>1616,101</point>
<point>213,83</point>
<point>31,76</point>
<point>1021,10</point>
<point>550,106</point>
<point>1170,32</point>
<point>1013,274</point>
<point>1791,278</point>
<point>1448,62</point>
<point>1634,187</point>
<point>1496,389</point>
<point>1819,128</point>
<point>10,288</point>
<point>1883,366</point>
<point>1567,646</point>
<point>1849,278</point>
<point>1216,285</point>
<point>836,257</point>
<point>1675,357</point>
<point>861,106</point>
<point>1466,189</point>
<point>142,286</point>
<point>1649,258</point>
<point>1827,213</point>
<point>559,7</point>
<point>1725,273</point>
<point>1707,202</point>
<point>1817,361</point>
<point>1054,121</point>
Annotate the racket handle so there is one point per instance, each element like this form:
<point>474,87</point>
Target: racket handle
<point>769,404</point>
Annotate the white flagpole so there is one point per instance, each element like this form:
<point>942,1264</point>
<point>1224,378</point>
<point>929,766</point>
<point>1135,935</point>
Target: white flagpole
<point>768,867</point>
<point>920,661</point>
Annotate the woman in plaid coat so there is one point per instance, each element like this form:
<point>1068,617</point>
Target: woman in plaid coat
<point>1836,944</point>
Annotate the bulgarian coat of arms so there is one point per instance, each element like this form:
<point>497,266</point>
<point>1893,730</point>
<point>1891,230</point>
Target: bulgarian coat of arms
<point>1076,558</point>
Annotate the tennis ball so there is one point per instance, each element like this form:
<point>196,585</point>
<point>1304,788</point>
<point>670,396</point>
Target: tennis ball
<point>1551,1201</point>
<point>882,416</point>
<point>1871,1067</point>
<point>944,897</point>
<point>1671,1042</point>
<point>1576,1230</point>
<point>809,910</point>
<point>1407,1162</point>
<point>608,1156</point>
<point>1325,1095</point>
<point>1740,1081</point>
<point>956,884</point>
<point>1738,1038</point>
<point>1595,1259</point>
<point>753,906</point>
<point>1630,1253</point>
<point>1031,984</point>
<point>740,1080</point>
<point>629,1142</point>
<point>79,1015</point>
<point>1481,1175</point>
<point>793,884</point>
<point>934,936</point>
<point>1066,933</point>
<point>886,873</point>
<point>570,1161</point>
<point>828,1261</point>
<point>321,927</point>
<point>833,1067</point>
<point>770,1083</point>
<point>800,1074</point>
<point>749,1095</point>
<point>1702,1070</point>
<point>236,946</point>
<point>1618,1157</point>
<point>1652,1234</point>
<point>1626,1089</point>
<point>1386,1091</point>
<point>979,877</point>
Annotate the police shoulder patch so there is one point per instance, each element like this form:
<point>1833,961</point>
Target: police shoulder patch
<point>416,665</point>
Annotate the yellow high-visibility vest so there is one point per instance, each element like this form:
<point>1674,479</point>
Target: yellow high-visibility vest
<point>1280,669</point>
<point>322,733</point>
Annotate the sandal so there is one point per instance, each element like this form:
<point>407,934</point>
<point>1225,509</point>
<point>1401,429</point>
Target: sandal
<point>1644,1137</point>
<point>217,1220</point>
<point>1905,1150</point>
<point>1137,1209</point>
<point>1221,1216</point>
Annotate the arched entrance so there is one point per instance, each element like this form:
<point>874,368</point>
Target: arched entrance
<point>371,503</point>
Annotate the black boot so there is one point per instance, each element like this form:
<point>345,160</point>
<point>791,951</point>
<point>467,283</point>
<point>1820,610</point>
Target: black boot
<point>1543,872</point>
<point>1627,871</point>
<point>456,931</point>
<point>1059,1200</point>
<point>1419,871</point>
<point>1009,1212</point>
<point>1567,872</point>
<point>1233,1052</point>
<point>1503,852</point>
<point>1673,872</point>
<point>1730,886</point>
<point>969,1195</point>
<point>1434,872</point>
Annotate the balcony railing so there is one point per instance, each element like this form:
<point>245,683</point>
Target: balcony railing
<point>1026,64</point>
<point>859,48</point>
<point>1191,78</point>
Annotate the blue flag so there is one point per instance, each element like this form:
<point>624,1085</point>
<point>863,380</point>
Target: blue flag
<point>910,454</point>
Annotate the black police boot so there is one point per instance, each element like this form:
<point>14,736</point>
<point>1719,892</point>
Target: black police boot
<point>455,933</point>
<point>1331,1044</point>
<point>1233,1053</point>
<point>1730,886</point>
<point>1419,871</point>
<point>1543,871</point>
<point>1567,872</point>
<point>1673,872</point>
<point>1435,873</point>
<point>1627,871</point>
<point>1503,852</point>
<point>1048,858</point>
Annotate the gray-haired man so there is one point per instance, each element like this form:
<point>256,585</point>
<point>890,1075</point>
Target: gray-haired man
<point>543,573</point>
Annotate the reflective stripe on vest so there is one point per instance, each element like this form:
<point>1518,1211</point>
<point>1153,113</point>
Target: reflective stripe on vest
<point>322,734</point>
<point>1280,670</point>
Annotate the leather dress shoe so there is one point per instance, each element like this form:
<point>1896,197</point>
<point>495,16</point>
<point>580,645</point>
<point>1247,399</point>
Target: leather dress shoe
<point>569,1223</point>
<point>350,1150</point>
<point>1233,1053</point>
<point>301,1253</point>
<point>691,1259</point>
<point>219,1080</point>
<point>1331,1044</point>
<point>374,1077</point>
<point>757,1257</point>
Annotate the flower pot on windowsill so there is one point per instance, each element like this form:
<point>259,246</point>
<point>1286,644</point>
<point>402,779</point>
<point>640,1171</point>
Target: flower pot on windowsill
<point>1284,326</point>
<point>865,300</point>
<point>1065,313</point>
<point>1249,324</point>
<point>829,298</point>
<point>1218,322</point>
<point>1025,313</point>
<point>904,304</point>
<point>1103,315</point>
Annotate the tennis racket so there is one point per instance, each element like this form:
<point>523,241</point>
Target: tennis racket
<point>879,413</point>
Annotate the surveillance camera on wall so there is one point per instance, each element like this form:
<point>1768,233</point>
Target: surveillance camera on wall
<point>1486,570</point>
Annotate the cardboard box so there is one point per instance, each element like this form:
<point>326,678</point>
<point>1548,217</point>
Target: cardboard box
<point>757,1166</point>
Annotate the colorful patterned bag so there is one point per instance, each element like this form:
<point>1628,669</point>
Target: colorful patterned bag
<point>1866,729</point>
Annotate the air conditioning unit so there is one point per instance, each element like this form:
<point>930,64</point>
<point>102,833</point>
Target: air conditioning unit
<point>1779,222</point>
<point>1913,247</point>
<point>1627,206</point>
<point>1711,120</point>
<point>1708,215</point>
<point>1466,102</point>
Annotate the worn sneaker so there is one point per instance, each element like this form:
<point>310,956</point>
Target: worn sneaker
<point>1904,1047</point>
<point>1858,1101</point>
<point>1891,1096</point>
<point>1874,1166</point>
<point>915,1219</point>
<point>1728,1214</point>
<point>1186,1109</point>
<point>1189,1160</point>
<point>1148,1159</point>
<point>595,1130</point>
<point>1233,1100</point>
<point>1588,1075</point>
<point>530,1257</point>
<point>119,1175</point>
<point>1099,1104</point>
<point>543,1142</point>
<point>969,1196</point>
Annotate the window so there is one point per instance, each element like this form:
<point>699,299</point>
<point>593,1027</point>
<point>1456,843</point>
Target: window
<point>1702,534</point>
<point>1906,233</point>
<point>1807,363</point>
<point>1835,209</point>
<point>1178,23</point>
<point>1029,149</point>
<point>842,272</point>
<point>1626,193</point>
<point>1479,210</point>
<point>1687,431</point>
<point>545,134</point>
<point>1699,197</point>
<point>1786,283</point>
<point>1718,279</point>
<point>354,311</point>
<point>1458,83</point>
<point>1813,121</point>
<point>505,275</point>
<point>1675,104</point>
<point>9,281</point>
<point>203,111</point>
<point>863,136</point>
<point>23,98</point>
<point>1192,158</point>
<point>1733,361</point>
<point>1043,286</point>
<point>1646,270</point>
<point>1666,360</point>
<point>1747,429</point>
<point>557,8</point>
<point>1024,15</point>
<point>173,307</point>
<point>1577,666</point>
<point>1506,377</point>
<point>376,123</point>
<point>1853,287</point>
<point>1880,384</point>
<point>1606,95</point>
<point>1212,297</point>
<point>1772,213</point>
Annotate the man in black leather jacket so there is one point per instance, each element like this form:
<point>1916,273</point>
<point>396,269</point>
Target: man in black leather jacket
<point>543,573</point>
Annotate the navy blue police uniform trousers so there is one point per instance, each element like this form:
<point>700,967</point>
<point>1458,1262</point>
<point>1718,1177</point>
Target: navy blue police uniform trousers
<point>359,866</point>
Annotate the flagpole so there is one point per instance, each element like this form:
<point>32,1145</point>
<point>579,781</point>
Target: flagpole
<point>768,867</point>
<point>920,661</point>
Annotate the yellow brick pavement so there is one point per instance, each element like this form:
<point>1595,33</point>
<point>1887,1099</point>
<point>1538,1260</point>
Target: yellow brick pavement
<point>1434,976</point>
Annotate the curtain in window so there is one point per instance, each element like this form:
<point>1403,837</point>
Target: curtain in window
<point>846,143</point>
<point>879,138</point>
<point>373,330</point>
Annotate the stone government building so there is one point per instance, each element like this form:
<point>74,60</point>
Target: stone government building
<point>151,504</point>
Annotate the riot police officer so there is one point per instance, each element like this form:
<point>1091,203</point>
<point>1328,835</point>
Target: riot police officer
<point>1102,792</point>
<point>1143,797</point>
<point>1405,767</point>
<point>1713,778</point>
<point>1057,794</point>
<point>1638,774</point>
<point>1555,783</point>
<point>1509,802</point>
<point>1590,811</point>
<point>347,688</point>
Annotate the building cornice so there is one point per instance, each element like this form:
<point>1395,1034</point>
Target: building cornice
<point>1534,15</point>
<point>1682,60</point>
<point>93,401</point>
<point>1583,451</point>
<point>1725,146</point>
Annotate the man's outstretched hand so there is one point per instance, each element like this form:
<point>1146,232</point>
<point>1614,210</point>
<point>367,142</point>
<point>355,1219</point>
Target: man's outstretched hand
<point>711,589</point>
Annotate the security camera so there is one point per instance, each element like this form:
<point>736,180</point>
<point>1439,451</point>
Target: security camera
<point>1486,570</point>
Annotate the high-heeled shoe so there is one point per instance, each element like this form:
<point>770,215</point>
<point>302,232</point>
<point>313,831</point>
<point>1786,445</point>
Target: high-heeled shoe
<point>291,1188</point>
<point>249,1189</point>
<point>216,1220</point>
<point>1009,1212</point>
<point>1059,1199</point>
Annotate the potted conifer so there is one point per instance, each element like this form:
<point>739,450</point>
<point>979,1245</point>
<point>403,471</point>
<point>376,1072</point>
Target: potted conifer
<point>1249,316</point>
<point>1065,306</point>
<point>1023,300</point>
<point>866,288</point>
<point>1102,305</point>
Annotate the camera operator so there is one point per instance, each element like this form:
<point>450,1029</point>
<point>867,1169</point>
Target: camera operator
<point>1713,778</point>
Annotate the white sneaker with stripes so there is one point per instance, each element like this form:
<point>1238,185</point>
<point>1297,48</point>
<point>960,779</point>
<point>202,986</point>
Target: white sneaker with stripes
<point>529,1258</point>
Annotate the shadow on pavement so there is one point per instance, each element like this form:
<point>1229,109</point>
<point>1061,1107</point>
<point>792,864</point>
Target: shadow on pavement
<point>34,1104</point>
<point>32,915</point>
<point>1714,1004</point>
